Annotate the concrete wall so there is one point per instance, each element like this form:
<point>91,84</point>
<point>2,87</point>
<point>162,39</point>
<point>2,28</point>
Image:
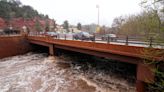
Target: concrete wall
<point>14,45</point>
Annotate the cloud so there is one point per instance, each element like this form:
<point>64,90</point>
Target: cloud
<point>84,11</point>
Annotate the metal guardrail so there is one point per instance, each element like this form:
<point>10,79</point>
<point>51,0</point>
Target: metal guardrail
<point>151,42</point>
<point>123,41</point>
<point>2,34</point>
<point>6,35</point>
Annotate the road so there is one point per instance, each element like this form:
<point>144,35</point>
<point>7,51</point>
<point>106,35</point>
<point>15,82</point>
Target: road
<point>118,42</point>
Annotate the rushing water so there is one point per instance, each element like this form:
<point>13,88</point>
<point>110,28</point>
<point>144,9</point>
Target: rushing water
<point>34,72</point>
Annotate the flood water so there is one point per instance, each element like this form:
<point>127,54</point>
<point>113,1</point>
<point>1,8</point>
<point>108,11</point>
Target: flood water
<point>33,72</point>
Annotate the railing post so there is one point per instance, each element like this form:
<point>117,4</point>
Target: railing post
<point>93,38</point>
<point>82,38</point>
<point>72,37</point>
<point>150,41</point>
<point>58,36</point>
<point>65,37</point>
<point>127,38</point>
<point>108,40</point>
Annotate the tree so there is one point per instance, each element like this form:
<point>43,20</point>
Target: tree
<point>66,25</point>
<point>5,9</point>
<point>38,25</point>
<point>47,26</point>
<point>157,7</point>
<point>47,17</point>
<point>117,22</point>
<point>79,26</point>
<point>146,23</point>
<point>13,9</point>
<point>54,25</point>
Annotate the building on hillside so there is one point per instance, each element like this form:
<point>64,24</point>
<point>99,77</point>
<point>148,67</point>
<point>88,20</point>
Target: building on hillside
<point>2,24</point>
<point>71,29</point>
<point>89,28</point>
<point>19,23</point>
<point>30,24</point>
<point>74,30</point>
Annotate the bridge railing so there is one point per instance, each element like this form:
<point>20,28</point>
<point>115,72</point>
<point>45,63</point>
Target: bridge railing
<point>131,41</point>
<point>8,32</point>
<point>7,35</point>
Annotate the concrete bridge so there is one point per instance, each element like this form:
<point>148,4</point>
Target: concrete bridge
<point>122,53</point>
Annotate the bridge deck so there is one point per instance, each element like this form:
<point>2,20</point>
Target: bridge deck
<point>129,54</point>
<point>133,54</point>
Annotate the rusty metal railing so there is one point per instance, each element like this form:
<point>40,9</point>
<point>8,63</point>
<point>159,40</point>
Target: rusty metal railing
<point>141,42</point>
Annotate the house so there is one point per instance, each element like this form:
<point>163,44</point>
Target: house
<point>2,23</point>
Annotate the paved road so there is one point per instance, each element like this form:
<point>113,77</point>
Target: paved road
<point>69,36</point>
<point>118,42</point>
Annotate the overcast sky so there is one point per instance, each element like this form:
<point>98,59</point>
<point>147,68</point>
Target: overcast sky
<point>85,11</point>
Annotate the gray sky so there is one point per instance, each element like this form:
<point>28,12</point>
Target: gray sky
<point>85,11</point>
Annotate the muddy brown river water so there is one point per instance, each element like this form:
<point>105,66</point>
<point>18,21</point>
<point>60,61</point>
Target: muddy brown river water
<point>33,72</point>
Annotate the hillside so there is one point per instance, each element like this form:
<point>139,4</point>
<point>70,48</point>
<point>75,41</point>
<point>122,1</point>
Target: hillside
<point>14,9</point>
<point>14,13</point>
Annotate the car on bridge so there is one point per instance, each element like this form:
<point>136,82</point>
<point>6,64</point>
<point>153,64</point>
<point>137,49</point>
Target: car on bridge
<point>83,36</point>
<point>112,37</point>
<point>51,34</point>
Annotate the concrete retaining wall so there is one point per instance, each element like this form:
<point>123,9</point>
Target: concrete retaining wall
<point>13,45</point>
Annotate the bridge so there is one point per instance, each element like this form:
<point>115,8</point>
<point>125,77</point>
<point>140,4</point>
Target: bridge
<point>129,54</point>
<point>122,53</point>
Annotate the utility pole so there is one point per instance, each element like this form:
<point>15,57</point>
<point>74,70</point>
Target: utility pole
<point>98,15</point>
<point>98,8</point>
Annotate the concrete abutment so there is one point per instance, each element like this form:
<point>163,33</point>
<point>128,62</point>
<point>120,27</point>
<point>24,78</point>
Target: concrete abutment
<point>13,45</point>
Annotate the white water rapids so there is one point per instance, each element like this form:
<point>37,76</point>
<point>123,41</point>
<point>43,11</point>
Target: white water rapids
<point>33,72</point>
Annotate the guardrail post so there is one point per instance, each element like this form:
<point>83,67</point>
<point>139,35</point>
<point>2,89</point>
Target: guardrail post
<point>93,38</point>
<point>150,41</point>
<point>58,36</point>
<point>65,36</point>
<point>127,39</point>
<point>72,37</point>
<point>108,40</point>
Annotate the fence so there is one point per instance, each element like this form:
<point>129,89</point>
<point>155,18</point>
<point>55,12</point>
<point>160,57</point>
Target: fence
<point>132,41</point>
<point>8,32</point>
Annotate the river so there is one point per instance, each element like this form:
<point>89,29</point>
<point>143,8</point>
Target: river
<point>38,72</point>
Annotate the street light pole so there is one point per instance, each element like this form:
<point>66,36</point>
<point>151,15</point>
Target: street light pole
<point>98,29</point>
<point>97,6</point>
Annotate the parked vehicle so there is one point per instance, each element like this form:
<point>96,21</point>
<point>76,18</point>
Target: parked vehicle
<point>83,36</point>
<point>112,37</point>
<point>52,34</point>
<point>42,33</point>
<point>11,31</point>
